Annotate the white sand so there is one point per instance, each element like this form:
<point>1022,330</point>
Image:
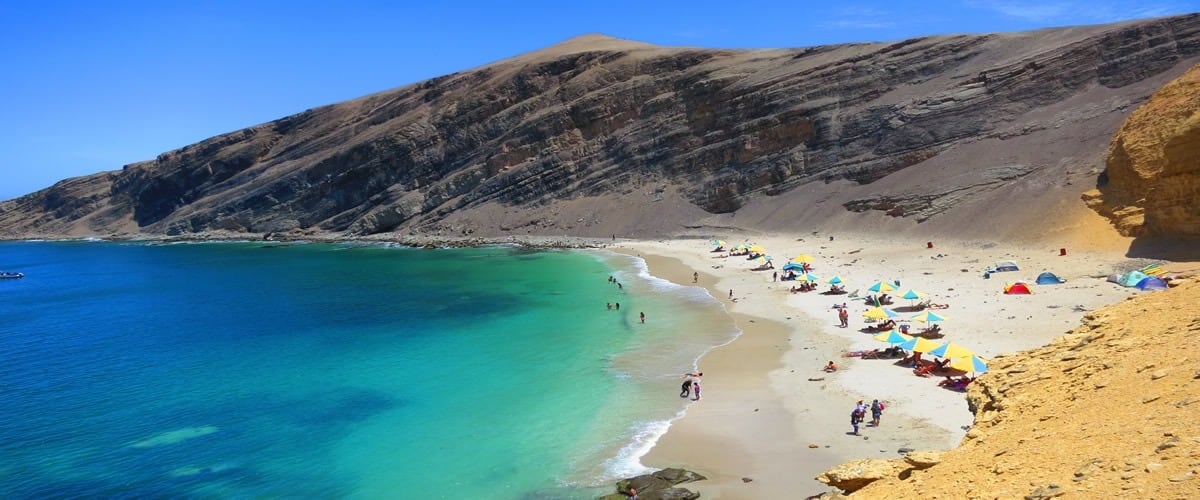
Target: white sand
<point>761,412</point>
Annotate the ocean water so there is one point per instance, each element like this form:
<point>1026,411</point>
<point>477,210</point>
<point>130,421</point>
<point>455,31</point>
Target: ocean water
<point>250,370</point>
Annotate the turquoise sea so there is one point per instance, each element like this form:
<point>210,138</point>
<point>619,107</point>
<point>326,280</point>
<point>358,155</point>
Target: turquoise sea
<point>251,370</point>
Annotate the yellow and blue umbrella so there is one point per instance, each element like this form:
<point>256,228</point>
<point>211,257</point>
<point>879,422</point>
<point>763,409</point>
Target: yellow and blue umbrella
<point>757,249</point>
<point>892,337</point>
<point>928,317</point>
<point>718,243</point>
<point>882,287</point>
<point>912,295</point>
<point>951,350</point>
<point>810,277</point>
<point>919,344</point>
<point>803,258</point>
<point>972,363</point>
<point>880,313</point>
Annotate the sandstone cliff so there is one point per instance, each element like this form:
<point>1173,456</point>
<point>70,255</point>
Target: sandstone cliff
<point>597,136</point>
<point>1106,411</point>
<point>1151,185</point>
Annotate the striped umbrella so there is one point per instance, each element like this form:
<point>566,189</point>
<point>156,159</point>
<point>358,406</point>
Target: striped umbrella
<point>919,344</point>
<point>972,363</point>
<point>928,317</point>
<point>951,350</point>
<point>882,287</point>
<point>892,337</point>
<point>880,313</point>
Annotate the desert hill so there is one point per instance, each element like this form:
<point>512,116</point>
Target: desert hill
<point>979,136</point>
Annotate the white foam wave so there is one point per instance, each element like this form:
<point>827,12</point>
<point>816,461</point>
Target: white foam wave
<point>628,461</point>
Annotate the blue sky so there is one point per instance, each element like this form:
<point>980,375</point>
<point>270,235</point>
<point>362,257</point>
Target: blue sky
<point>91,86</point>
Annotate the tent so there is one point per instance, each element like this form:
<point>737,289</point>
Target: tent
<point>1017,288</point>
<point>1132,278</point>
<point>1049,278</point>
<point>1151,283</point>
<point>1005,265</point>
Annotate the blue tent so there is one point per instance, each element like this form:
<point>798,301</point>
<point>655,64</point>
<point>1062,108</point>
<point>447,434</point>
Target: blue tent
<point>790,266</point>
<point>1151,283</point>
<point>1049,278</point>
<point>1132,278</point>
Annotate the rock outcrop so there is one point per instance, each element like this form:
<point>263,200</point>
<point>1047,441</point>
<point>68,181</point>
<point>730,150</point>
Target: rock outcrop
<point>658,485</point>
<point>1151,185</point>
<point>550,142</point>
<point>1105,411</point>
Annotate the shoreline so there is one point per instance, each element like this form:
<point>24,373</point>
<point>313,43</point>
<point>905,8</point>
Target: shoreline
<point>761,415</point>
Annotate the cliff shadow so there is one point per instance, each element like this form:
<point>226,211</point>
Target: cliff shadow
<point>1180,249</point>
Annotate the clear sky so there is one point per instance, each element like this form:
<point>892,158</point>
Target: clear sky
<point>90,86</point>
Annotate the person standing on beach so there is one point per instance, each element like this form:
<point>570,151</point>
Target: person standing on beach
<point>844,317</point>
<point>695,277</point>
<point>731,293</point>
<point>856,417</point>
<point>774,276</point>
<point>876,412</point>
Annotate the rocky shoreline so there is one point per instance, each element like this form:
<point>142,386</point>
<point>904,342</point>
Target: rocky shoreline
<point>414,241</point>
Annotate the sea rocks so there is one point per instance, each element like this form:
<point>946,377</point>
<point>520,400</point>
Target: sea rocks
<point>658,485</point>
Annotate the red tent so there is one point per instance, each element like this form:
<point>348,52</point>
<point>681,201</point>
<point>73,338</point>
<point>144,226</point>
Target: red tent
<point>1017,288</point>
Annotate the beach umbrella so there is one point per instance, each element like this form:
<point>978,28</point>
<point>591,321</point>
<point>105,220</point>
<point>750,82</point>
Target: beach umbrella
<point>803,258</point>
<point>808,277</point>
<point>834,280</point>
<point>892,337</point>
<point>882,287</point>
<point>880,313</point>
<point>758,249</point>
<point>928,317</point>
<point>951,350</point>
<point>718,243</point>
<point>912,295</point>
<point>972,363</point>
<point>919,344</point>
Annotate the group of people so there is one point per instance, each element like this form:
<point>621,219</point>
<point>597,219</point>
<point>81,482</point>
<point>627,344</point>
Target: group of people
<point>860,412</point>
<point>805,286</point>
<point>691,386</point>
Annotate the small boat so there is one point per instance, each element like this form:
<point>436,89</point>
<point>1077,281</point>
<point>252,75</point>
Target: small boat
<point>8,275</point>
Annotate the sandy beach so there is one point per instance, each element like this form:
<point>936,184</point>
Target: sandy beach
<point>771,419</point>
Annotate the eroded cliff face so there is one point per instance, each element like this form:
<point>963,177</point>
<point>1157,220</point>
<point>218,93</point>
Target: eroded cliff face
<point>1106,411</point>
<point>1151,186</point>
<point>512,144</point>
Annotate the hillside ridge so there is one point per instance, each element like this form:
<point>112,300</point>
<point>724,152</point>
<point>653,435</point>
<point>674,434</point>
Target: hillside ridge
<point>598,136</point>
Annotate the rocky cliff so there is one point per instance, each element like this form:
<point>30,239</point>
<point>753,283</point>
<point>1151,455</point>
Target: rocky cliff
<point>1102,412</point>
<point>598,135</point>
<point>1151,185</point>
